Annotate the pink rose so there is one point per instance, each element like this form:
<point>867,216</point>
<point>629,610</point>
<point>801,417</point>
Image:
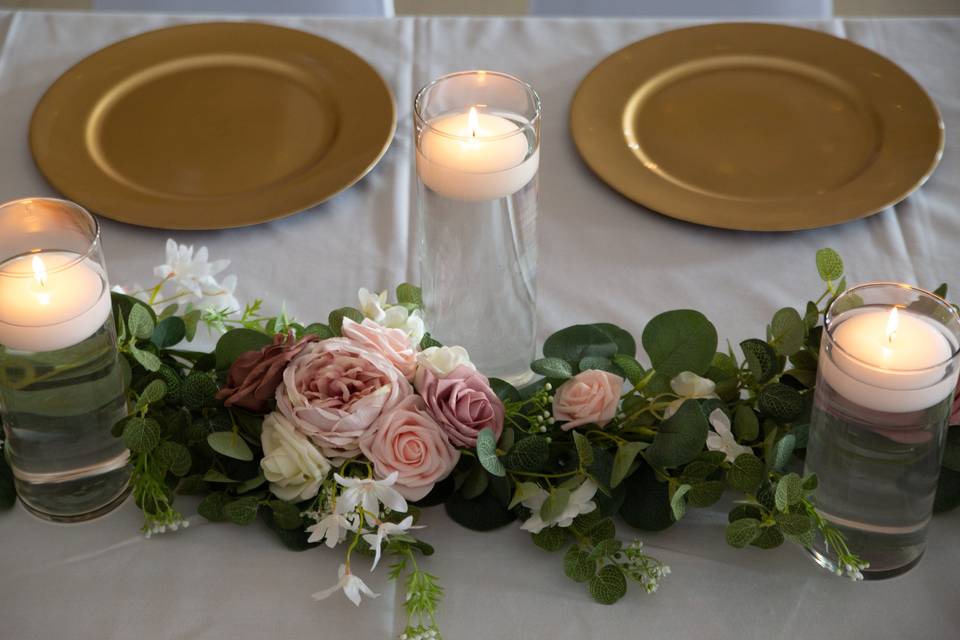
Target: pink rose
<point>462,402</point>
<point>393,344</point>
<point>591,396</point>
<point>334,390</point>
<point>408,440</point>
<point>255,375</point>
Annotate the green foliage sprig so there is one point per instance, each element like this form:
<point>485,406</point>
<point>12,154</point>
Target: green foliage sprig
<point>651,462</point>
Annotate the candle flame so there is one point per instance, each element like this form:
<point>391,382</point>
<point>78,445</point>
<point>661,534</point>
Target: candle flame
<point>473,122</point>
<point>39,271</point>
<point>893,321</point>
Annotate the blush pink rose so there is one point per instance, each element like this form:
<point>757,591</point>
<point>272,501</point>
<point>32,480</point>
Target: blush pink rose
<point>591,396</point>
<point>393,344</point>
<point>255,375</point>
<point>409,441</point>
<point>462,402</point>
<point>334,390</point>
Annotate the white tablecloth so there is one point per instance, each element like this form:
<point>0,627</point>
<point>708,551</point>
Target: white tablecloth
<point>602,258</point>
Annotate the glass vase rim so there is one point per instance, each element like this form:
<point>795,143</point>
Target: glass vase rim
<point>531,92</point>
<point>939,301</point>
<point>90,250</point>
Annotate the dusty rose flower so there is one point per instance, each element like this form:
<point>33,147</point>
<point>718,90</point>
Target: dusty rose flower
<point>462,402</point>
<point>591,396</point>
<point>255,375</point>
<point>334,390</point>
<point>409,441</point>
<point>393,344</point>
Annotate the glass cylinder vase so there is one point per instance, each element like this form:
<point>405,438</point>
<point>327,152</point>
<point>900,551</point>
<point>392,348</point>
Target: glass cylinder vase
<point>886,380</point>
<point>62,383</point>
<point>478,156</point>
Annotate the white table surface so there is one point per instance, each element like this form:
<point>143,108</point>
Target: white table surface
<point>602,258</point>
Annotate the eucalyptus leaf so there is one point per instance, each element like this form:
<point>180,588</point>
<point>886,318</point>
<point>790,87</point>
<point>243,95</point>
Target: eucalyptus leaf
<point>632,369</point>
<point>487,452</point>
<point>788,331</point>
<point>140,322</point>
<point>230,444</point>
<point>626,345</point>
<point>552,368</point>
<point>318,329</point>
<point>623,460</point>
<point>829,265</point>
<point>554,505</point>
<point>236,342</point>
<point>746,426</point>
<point>212,475</point>
<point>680,340</point>
<point>168,332</point>
<point>475,483</point>
<point>678,505</point>
<point>409,294</point>
<point>584,450</point>
<point>782,450</point>
<point>680,438</point>
<point>789,491</point>
<point>578,341</point>
<point>145,359</point>
<point>243,510</point>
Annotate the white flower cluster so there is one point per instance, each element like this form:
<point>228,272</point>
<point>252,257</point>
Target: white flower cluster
<point>189,277</point>
<point>853,569</point>
<point>361,507</point>
<point>157,528</point>
<point>420,634</point>
<point>641,567</point>
<point>393,316</point>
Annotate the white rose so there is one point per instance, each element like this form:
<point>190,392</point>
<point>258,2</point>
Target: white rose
<point>292,465</point>
<point>441,361</point>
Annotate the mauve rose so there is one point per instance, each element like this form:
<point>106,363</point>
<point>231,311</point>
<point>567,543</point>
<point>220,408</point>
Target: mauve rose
<point>591,396</point>
<point>255,375</point>
<point>409,441</point>
<point>462,402</point>
<point>334,390</point>
<point>393,344</point>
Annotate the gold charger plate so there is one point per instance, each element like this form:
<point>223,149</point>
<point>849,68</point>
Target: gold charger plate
<point>756,127</point>
<point>210,126</point>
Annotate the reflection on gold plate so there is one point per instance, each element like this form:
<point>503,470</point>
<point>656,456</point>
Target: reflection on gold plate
<point>209,126</point>
<point>756,127</point>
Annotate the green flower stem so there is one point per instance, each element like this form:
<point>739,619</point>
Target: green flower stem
<point>531,474</point>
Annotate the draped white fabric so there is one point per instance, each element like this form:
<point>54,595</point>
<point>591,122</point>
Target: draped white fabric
<point>602,259</point>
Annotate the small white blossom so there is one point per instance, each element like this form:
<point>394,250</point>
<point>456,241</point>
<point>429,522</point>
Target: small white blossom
<point>442,360</point>
<point>194,273</point>
<point>581,501</point>
<point>369,494</point>
<point>333,528</point>
<point>372,304</point>
<point>220,297</point>
<point>351,585</point>
<point>689,386</point>
<point>398,317</point>
<point>384,530</point>
<point>721,438</point>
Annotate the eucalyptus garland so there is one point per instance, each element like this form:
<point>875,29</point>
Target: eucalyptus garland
<point>600,435</point>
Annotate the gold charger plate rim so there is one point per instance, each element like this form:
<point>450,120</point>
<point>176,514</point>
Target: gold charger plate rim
<point>298,191</point>
<point>602,142</point>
